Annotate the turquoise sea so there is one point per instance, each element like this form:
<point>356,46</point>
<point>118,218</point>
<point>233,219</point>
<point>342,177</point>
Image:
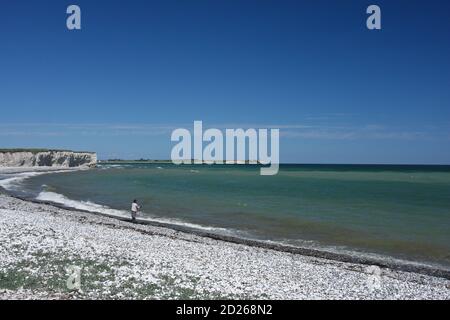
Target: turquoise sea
<point>397,211</point>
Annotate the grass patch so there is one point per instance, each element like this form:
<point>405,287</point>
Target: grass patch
<point>100,279</point>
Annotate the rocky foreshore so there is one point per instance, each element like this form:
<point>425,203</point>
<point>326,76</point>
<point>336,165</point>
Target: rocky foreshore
<point>40,245</point>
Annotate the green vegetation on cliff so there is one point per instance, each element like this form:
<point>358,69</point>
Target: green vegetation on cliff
<point>37,150</point>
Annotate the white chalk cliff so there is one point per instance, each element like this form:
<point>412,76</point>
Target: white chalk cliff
<point>65,159</point>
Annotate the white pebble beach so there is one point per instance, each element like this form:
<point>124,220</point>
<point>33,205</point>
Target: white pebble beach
<point>121,260</point>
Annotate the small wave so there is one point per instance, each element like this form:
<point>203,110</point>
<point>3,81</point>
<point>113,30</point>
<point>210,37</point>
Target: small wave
<point>112,166</point>
<point>13,183</point>
<point>98,208</point>
<point>78,204</point>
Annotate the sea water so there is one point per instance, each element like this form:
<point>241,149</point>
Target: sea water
<point>398,211</point>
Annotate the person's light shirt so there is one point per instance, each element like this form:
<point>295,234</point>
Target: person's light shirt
<point>134,207</point>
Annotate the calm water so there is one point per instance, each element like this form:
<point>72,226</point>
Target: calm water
<point>402,211</point>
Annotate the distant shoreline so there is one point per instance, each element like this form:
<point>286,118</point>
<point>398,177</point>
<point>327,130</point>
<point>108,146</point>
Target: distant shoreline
<point>119,161</point>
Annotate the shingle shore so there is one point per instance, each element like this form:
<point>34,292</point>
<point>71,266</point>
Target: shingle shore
<point>38,243</point>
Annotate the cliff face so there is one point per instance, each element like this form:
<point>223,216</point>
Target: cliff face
<point>48,158</point>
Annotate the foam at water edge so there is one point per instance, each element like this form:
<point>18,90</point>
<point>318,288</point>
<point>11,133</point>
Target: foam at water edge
<point>81,205</point>
<point>98,208</point>
<point>12,183</point>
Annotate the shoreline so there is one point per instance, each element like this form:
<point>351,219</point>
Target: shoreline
<point>172,262</point>
<point>137,261</point>
<point>348,257</point>
<point>357,258</point>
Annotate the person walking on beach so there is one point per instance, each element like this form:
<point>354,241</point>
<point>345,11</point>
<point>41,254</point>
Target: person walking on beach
<point>134,210</point>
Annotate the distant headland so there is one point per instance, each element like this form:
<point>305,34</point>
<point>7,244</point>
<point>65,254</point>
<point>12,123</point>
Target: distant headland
<point>22,157</point>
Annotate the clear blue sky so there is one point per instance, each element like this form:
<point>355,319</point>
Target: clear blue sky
<point>339,92</point>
